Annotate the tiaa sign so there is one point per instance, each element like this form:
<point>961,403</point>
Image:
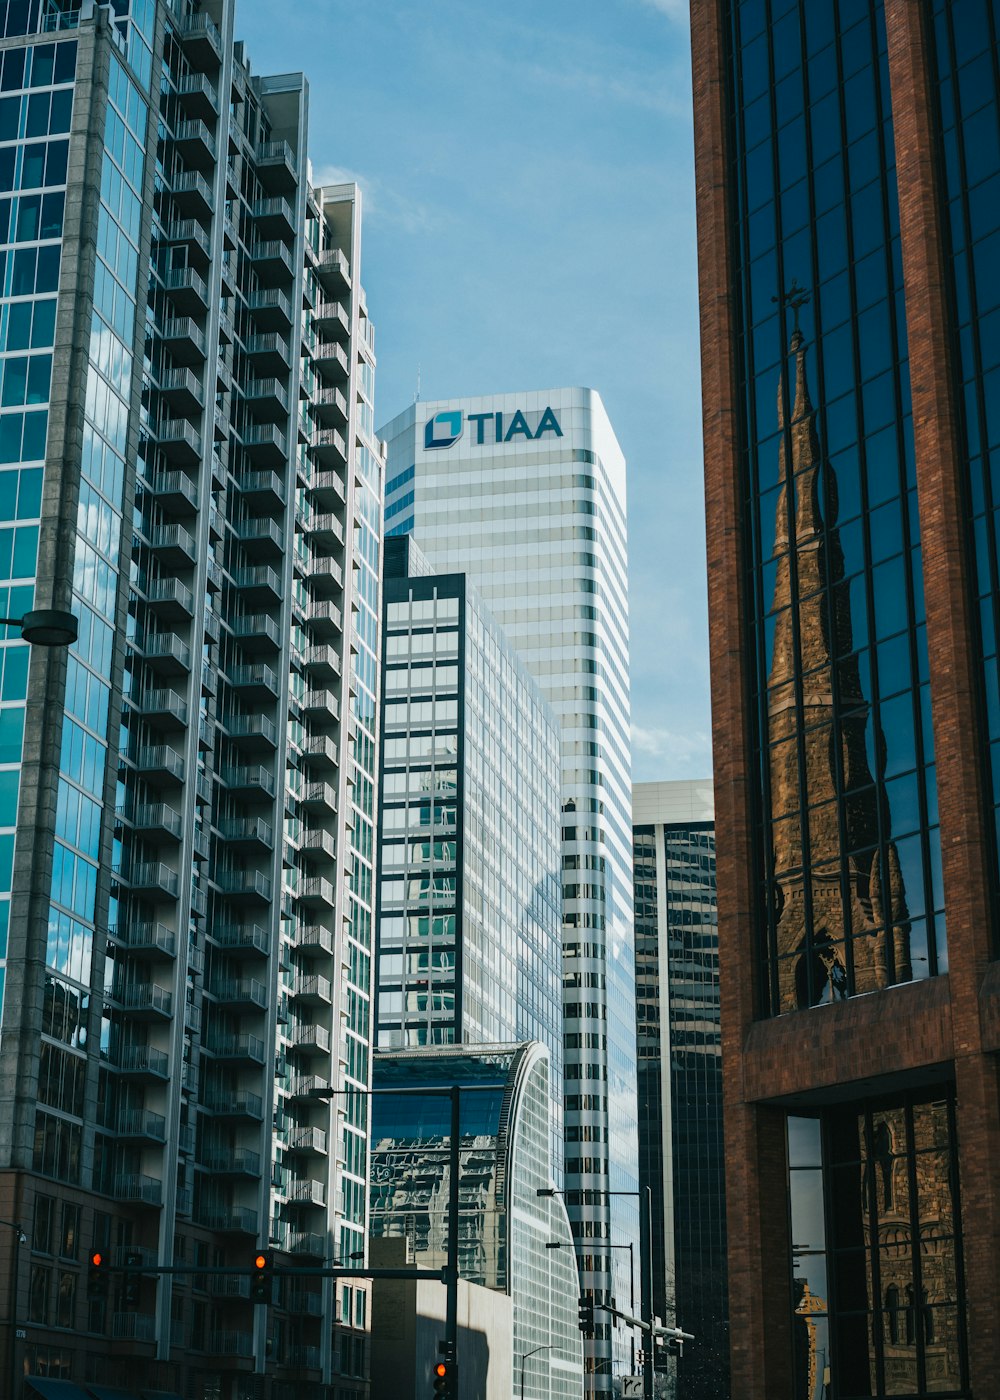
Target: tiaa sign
<point>445,428</point>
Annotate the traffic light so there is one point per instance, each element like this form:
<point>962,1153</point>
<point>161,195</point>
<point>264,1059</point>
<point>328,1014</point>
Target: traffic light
<point>133,1281</point>
<point>97,1274</point>
<point>675,1346</point>
<point>585,1307</point>
<point>260,1280</point>
<point>444,1379</point>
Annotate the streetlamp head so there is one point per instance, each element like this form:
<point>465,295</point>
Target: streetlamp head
<point>49,627</point>
<point>553,1244</point>
<point>549,1191</point>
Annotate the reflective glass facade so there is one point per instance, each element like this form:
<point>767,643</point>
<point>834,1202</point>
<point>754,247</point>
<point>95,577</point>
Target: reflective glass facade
<point>967,94</point>
<point>469,928</point>
<point>526,494</point>
<point>874,1211</point>
<point>504,1226</point>
<point>850,897</point>
<point>681,1156</point>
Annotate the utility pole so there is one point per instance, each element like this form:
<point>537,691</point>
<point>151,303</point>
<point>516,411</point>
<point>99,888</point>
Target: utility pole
<point>649,1353</point>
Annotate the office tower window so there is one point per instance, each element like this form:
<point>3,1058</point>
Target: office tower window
<point>849,890</point>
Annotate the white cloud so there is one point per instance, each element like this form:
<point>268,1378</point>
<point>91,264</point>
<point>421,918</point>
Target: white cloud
<point>381,202</point>
<point>679,748</point>
<point>676,10</point>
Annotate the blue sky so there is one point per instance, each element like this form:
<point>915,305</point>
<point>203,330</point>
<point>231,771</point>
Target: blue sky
<point>529,193</point>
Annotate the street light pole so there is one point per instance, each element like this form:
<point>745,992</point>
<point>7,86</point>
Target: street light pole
<point>549,1346</point>
<point>15,1273</point>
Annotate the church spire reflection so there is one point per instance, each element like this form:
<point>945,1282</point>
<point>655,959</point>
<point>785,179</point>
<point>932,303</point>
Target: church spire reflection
<point>840,903</point>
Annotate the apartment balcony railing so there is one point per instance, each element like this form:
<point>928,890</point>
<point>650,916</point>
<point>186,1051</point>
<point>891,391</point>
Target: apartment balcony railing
<point>322,662</point>
<point>274,217</point>
<point>266,398</point>
<point>327,488</point>
<point>150,939</point>
<point>187,289</point>
<point>141,1124</point>
<point>182,389</point>
<point>305,1358</point>
<point>269,351</point>
<point>237,1047</point>
<point>159,762</point>
<point>237,1220</point>
<point>202,41</point>
<point>250,780</point>
<point>144,1000</point>
<point>143,1062</point>
<point>170,599</point>
<point>248,940</point>
<point>162,707</point>
<point>312,991</point>
<point>193,194</point>
<point>178,440</point>
<point>259,584</point>
<point>306,1243</point>
<point>316,892</point>
<point>166,653</point>
<point>256,631</point>
<point>247,832</point>
<point>138,1189</point>
<point>276,168</point>
<point>150,878</point>
<point>234,1103</point>
<point>185,339</point>
<point>307,1193</point>
<point>260,534</point>
<point>271,308</point>
<point>331,357</point>
<point>263,489</point>
<point>248,992</point>
<point>254,680</point>
<point>195,143</point>
<point>133,1327</point>
<point>324,574</point>
<point>329,405</point>
<point>245,886</point>
<point>264,442</point>
<point>321,704</point>
<point>193,233</point>
<point>318,797</point>
<point>230,1343</point>
<point>313,940</point>
<point>307,1142</point>
<point>323,527</point>
<point>231,1161</point>
<point>272,261</point>
<point>305,1302</point>
<point>222,1287</point>
<point>334,271</point>
<point>333,319</point>
<point>198,95</point>
<point>173,544</point>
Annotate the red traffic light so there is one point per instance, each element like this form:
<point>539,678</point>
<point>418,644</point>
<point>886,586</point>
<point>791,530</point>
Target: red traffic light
<point>441,1369</point>
<point>261,1261</point>
<point>96,1259</point>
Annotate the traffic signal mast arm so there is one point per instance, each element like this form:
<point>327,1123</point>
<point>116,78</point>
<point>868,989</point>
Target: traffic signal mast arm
<point>656,1327</point>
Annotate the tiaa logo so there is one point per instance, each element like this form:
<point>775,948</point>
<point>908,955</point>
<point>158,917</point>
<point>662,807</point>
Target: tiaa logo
<point>490,429</point>
<point>444,429</point>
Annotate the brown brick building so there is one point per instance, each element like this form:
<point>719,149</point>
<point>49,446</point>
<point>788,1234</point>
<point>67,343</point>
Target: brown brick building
<point>848,171</point>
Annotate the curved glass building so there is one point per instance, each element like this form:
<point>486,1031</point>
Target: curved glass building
<point>506,1230</point>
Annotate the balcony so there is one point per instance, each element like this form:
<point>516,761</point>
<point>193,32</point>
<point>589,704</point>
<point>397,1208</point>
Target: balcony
<point>182,390</point>
<point>307,1193</point>
<point>133,1327</point>
<point>259,585</point>
<point>230,1343</point>
<point>322,663</point>
<point>256,680</point>
<point>266,398</point>
<point>193,234</point>
<point>305,1302</point>
<point>163,708</point>
<point>154,940</point>
<point>307,1086</point>
<point>144,1001</point>
<point>321,754</point>
<point>334,271</point>
<point>139,1125</point>
<point>325,619</point>
<point>178,441</point>
<point>202,42</point>
<point>222,1287</point>
<point>260,535</point>
<point>237,1047</point>
<point>274,218</point>
<point>152,879</point>
<point>159,762</point>
<point>331,357</point>
<point>232,1161</point>
<point>272,262</point>
<point>327,489</point>
<point>262,490</point>
<point>188,291</point>
<point>246,992</point>
<point>312,991</point>
<point>307,1244</point>
<point>265,442</point>
<point>323,529</point>
<point>137,1189</point>
<point>254,733</point>
<point>173,545</point>
<point>247,833</point>
<point>318,797</point>
<point>333,320</point>
<point>165,652</point>
<point>316,893</point>
<point>157,819</point>
<point>199,97</point>
<point>256,632</point>
<point>170,599</point>
<point>269,352</point>
<point>184,339</point>
<point>143,1062</point>
<point>229,1220</point>
<point>329,406</point>
<point>193,195</point>
<point>271,308</point>
<point>194,141</point>
<point>307,1142</point>
<point>242,940</point>
<point>276,168</point>
<point>245,886</point>
<point>248,780</point>
<point>234,1103</point>
<point>313,940</point>
<point>321,705</point>
<point>324,574</point>
<point>309,1040</point>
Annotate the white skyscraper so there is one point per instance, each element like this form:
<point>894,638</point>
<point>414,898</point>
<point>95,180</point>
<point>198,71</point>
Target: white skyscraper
<point>526,494</point>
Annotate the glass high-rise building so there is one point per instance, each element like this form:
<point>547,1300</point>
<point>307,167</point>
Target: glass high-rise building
<point>468,910</point>
<point>513,1229</point>
<point>189,792</point>
<point>525,493</point>
<point>681,1156</point>
<point>848,164</point>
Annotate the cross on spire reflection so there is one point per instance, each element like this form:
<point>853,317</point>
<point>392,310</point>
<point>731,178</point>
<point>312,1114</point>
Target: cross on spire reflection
<point>796,297</point>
